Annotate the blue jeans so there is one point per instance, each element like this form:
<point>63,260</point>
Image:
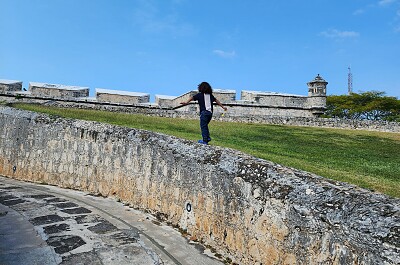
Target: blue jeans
<point>205,118</point>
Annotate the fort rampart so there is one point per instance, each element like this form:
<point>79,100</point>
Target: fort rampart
<point>251,102</point>
<point>233,114</point>
<point>248,209</point>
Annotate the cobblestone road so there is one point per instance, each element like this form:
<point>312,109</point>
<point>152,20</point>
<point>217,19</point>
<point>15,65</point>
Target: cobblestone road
<point>43,224</point>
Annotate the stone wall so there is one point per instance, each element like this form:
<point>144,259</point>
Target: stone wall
<point>274,99</point>
<point>251,102</point>
<point>10,86</point>
<point>124,99</point>
<point>248,209</point>
<point>310,106</point>
<point>256,114</point>
<point>225,96</point>
<point>57,91</point>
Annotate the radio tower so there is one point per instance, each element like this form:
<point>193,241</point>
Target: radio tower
<point>350,81</point>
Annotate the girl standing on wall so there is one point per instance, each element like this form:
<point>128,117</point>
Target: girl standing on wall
<point>205,100</point>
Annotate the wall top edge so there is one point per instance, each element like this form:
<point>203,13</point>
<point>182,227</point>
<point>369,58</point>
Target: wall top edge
<point>268,93</point>
<point>56,86</point>
<point>9,82</point>
<point>120,92</point>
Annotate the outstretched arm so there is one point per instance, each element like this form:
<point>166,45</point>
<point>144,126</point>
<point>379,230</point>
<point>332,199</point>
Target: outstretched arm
<point>187,101</point>
<point>219,104</point>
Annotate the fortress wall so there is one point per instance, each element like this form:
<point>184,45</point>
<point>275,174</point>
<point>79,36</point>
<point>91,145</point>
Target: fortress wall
<point>225,96</point>
<point>191,112</point>
<point>165,101</point>
<point>171,103</point>
<point>10,86</point>
<point>283,100</point>
<point>272,104</point>
<point>124,99</point>
<point>243,112</point>
<point>237,110</point>
<point>249,209</point>
<point>58,93</point>
<point>317,102</point>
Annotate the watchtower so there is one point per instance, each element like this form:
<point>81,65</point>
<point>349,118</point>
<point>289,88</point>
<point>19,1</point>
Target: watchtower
<point>317,87</point>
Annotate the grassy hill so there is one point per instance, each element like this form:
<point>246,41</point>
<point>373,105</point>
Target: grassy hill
<point>367,159</point>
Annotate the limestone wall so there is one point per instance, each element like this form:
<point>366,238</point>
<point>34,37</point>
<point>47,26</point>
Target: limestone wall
<point>124,99</point>
<point>251,102</point>
<point>57,91</point>
<point>172,102</point>
<point>248,209</point>
<point>300,106</point>
<point>225,96</point>
<point>10,86</point>
<point>274,99</point>
<point>234,114</point>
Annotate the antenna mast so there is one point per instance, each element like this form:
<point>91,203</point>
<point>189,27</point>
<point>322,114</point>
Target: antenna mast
<point>350,81</point>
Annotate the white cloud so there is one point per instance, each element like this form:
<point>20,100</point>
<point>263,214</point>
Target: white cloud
<point>224,54</point>
<point>359,11</point>
<point>386,2</point>
<point>337,34</point>
<point>150,18</point>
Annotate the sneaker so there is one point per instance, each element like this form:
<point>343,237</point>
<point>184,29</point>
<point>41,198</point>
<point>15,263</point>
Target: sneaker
<point>202,142</point>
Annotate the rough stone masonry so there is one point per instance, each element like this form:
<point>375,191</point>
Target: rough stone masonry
<point>250,210</point>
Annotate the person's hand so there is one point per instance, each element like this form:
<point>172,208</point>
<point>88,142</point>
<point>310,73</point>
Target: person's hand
<point>225,108</point>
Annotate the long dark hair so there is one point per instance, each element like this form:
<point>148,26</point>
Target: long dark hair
<point>205,88</point>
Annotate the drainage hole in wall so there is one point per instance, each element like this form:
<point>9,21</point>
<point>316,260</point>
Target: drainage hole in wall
<point>188,207</point>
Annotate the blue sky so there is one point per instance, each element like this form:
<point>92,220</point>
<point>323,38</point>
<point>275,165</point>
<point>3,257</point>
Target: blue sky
<point>169,46</point>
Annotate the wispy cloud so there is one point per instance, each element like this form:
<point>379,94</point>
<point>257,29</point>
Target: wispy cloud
<point>225,54</point>
<point>397,22</point>
<point>386,2</point>
<point>365,9</point>
<point>359,11</point>
<point>372,6</point>
<point>390,5</point>
<point>338,34</point>
<point>149,18</point>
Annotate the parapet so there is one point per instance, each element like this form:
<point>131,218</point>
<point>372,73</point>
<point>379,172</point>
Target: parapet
<point>57,90</point>
<point>122,97</point>
<point>10,86</point>
<point>250,210</point>
<point>251,102</point>
<point>223,95</point>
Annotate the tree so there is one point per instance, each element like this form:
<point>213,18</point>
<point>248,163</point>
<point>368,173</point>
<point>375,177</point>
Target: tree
<point>371,105</point>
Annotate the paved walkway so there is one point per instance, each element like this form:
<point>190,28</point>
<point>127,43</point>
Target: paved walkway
<point>41,224</point>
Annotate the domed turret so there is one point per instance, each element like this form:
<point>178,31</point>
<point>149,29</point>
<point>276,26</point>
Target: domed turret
<point>317,87</point>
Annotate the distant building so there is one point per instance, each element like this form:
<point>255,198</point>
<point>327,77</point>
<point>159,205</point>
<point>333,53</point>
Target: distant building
<point>57,91</point>
<point>10,86</point>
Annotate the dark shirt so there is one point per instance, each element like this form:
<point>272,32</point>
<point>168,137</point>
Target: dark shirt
<point>202,102</point>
